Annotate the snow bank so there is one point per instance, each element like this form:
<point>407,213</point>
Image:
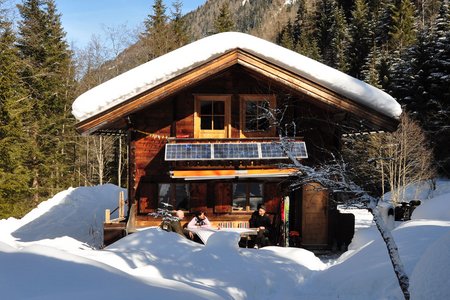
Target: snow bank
<point>76,213</point>
<point>160,265</point>
<point>435,209</point>
<point>179,61</point>
<point>432,272</point>
<point>425,190</point>
<point>47,273</point>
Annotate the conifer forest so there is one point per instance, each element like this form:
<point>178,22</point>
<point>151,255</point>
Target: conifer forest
<point>399,46</point>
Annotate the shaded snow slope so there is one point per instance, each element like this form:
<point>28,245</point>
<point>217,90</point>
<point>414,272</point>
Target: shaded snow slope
<point>76,213</point>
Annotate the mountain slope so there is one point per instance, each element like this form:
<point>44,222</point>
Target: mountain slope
<point>262,18</point>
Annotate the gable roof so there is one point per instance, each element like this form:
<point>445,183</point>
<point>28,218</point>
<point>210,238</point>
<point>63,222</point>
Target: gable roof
<point>218,52</point>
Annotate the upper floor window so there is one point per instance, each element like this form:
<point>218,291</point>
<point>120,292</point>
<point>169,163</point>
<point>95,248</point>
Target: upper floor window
<point>212,116</point>
<point>256,114</point>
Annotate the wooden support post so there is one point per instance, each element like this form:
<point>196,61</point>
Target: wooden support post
<point>121,205</point>
<point>107,216</point>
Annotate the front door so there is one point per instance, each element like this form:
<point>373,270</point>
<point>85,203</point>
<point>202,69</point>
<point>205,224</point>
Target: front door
<point>315,215</point>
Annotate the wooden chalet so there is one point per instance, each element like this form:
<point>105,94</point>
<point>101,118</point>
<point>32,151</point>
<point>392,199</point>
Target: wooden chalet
<point>200,138</point>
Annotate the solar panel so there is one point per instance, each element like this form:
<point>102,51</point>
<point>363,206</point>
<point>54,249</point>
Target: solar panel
<point>188,151</point>
<point>275,151</point>
<point>236,151</point>
<point>272,150</point>
<point>298,149</point>
<point>233,151</point>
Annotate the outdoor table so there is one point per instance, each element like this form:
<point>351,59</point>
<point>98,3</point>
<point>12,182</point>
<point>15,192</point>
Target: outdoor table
<point>204,233</point>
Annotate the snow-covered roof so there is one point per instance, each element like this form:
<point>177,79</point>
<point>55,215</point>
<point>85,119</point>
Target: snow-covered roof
<point>177,62</point>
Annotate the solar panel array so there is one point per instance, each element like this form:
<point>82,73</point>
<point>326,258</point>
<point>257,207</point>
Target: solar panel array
<point>233,151</point>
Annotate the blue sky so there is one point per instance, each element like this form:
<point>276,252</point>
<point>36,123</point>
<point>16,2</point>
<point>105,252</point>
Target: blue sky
<point>83,18</point>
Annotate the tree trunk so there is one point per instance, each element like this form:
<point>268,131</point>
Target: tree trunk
<point>392,249</point>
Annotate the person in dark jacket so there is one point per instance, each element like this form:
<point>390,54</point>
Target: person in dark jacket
<point>174,225</point>
<point>261,221</point>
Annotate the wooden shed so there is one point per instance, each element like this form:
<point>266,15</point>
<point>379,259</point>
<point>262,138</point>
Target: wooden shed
<point>204,122</point>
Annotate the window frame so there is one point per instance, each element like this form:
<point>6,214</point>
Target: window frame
<point>243,116</point>
<point>172,195</point>
<point>247,207</point>
<point>211,133</point>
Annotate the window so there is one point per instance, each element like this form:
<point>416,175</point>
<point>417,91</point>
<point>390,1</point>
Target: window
<point>212,116</point>
<point>247,196</point>
<point>255,119</point>
<point>174,194</point>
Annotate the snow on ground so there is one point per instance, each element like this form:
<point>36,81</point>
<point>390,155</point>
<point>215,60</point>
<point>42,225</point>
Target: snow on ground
<point>52,253</point>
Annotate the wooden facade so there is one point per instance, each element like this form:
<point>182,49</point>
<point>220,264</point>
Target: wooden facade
<point>224,101</point>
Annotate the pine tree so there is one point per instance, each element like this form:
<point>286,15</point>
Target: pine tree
<point>304,32</point>
<point>156,35</point>
<point>332,34</point>
<point>49,78</point>
<point>300,21</point>
<point>369,70</point>
<point>426,11</point>
<point>14,176</point>
<point>325,24</point>
<point>157,22</point>
<point>439,107</point>
<point>285,37</point>
<point>402,33</point>
<point>224,22</point>
<point>361,38</point>
<point>420,80</point>
<point>340,41</point>
<point>180,35</point>
<point>382,20</point>
<point>440,56</point>
<point>415,90</point>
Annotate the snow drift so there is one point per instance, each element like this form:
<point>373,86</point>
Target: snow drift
<point>49,255</point>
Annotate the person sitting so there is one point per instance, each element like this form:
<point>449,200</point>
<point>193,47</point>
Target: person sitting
<point>174,225</point>
<point>199,221</point>
<point>261,221</point>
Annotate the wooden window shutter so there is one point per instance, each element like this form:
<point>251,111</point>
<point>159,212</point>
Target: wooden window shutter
<point>148,197</point>
<point>198,196</point>
<point>223,199</point>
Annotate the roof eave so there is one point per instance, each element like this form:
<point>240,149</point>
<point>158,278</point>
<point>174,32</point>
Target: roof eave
<point>215,65</point>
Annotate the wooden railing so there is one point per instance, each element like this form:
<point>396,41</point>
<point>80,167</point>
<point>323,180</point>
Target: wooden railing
<point>120,207</point>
